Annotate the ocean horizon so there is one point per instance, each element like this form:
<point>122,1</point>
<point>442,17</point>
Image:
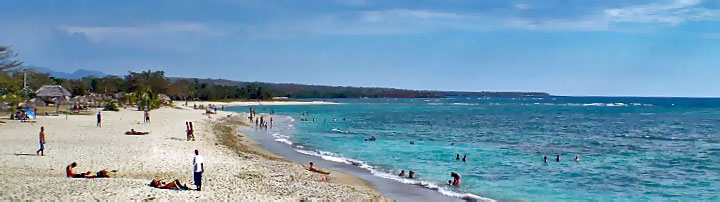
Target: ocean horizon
<point>629,148</point>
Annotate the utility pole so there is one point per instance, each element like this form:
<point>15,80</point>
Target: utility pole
<point>25,88</point>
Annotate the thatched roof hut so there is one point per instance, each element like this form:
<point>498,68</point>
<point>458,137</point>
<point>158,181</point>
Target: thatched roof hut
<point>52,91</point>
<point>38,102</point>
<point>55,93</point>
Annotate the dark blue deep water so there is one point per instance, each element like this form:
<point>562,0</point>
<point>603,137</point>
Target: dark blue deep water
<point>629,148</point>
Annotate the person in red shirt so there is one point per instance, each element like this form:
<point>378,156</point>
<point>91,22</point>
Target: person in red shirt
<point>42,142</point>
<point>69,173</point>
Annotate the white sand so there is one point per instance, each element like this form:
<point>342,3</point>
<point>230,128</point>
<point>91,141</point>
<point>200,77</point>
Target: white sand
<point>163,154</point>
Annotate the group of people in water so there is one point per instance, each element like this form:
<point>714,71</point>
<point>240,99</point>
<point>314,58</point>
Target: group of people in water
<point>557,158</point>
<point>260,121</point>
<point>410,174</point>
<point>464,158</point>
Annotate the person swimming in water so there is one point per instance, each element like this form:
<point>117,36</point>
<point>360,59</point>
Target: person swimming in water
<point>557,158</point>
<point>411,174</point>
<point>577,158</point>
<point>464,157</point>
<point>411,142</point>
<point>457,157</point>
<point>402,173</point>
<point>456,179</point>
<point>545,159</point>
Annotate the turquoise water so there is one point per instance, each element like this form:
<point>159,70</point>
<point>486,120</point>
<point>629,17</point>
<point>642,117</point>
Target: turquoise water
<point>630,148</point>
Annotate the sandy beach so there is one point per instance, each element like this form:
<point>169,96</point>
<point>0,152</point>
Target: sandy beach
<point>236,168</point>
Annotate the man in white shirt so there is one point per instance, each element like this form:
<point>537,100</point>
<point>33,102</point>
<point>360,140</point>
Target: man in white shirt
<point>198,169</point>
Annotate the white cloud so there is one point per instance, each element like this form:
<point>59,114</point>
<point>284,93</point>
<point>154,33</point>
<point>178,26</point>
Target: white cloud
<point>673,13</point>
<point>522,6</point>
<point>412,21</point>
<point>150,32</point>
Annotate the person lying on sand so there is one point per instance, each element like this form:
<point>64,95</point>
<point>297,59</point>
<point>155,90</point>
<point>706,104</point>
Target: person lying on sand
<point>133,132</point>
<point>176,185</point>
<point>313,169</point>
<point>100,174</point>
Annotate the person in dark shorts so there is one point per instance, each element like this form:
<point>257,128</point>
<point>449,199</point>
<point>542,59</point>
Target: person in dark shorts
<point>198,169</point>
<point>99,120</point>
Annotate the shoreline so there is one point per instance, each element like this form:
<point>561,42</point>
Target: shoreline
<point>388,186</point>
<point>135,160</point>
<point>240,142</point>
<point>254,103</point>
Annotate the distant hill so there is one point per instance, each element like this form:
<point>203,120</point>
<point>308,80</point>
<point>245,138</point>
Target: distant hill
<point>319,91</point>
<point>78,74</point>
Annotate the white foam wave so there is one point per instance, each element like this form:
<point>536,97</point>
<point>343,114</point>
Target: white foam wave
<point>429,185</point>
<point>283,140</point>
<point>619,104</point>
<point>339,131</point>
<point>463,104</point>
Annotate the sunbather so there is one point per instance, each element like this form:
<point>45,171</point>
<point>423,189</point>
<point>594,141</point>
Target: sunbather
<point>313,169</point>
<point>176,185</point>
<point>133,132</point>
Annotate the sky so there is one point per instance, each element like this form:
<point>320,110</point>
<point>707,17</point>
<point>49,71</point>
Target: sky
<point>563,47</point>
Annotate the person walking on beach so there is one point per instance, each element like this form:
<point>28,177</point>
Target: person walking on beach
<point>198,169</point>
<point>42,142</point>
<point>99,119</point>
<point>187,130</point>
<point>192,132</point>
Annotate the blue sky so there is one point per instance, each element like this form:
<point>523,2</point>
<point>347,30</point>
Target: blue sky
<point>564,47</point>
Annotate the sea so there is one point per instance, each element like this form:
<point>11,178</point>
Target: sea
<point>629,148</point>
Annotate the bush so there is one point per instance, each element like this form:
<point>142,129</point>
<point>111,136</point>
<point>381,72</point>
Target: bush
<point>111,106</point>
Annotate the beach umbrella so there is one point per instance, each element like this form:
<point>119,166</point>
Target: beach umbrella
<point>55,92</point>
<point>26,104</point>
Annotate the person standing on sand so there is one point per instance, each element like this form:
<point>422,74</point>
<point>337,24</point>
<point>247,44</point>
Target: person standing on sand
<point>198,169</point>
<point>99,119</point>
<point>147,116</point>
<point>42,142</point>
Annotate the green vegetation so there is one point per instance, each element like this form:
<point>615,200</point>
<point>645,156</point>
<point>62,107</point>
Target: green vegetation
<point>146,89</point>
<point>111,106</point>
